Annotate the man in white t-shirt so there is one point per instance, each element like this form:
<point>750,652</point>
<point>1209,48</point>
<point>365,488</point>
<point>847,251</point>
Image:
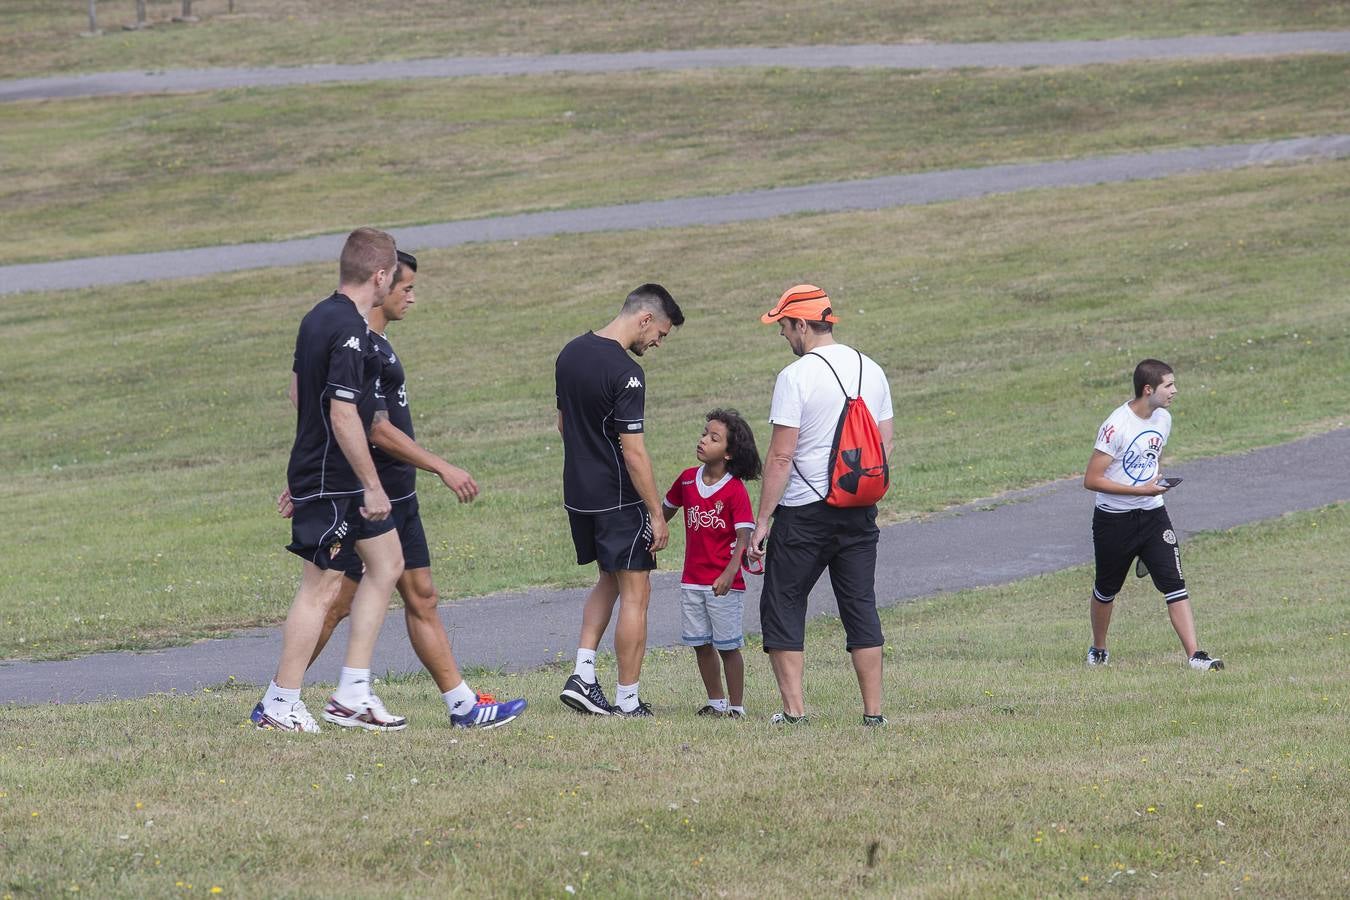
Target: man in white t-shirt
<point>809,535</point>
<point>1129,519</point>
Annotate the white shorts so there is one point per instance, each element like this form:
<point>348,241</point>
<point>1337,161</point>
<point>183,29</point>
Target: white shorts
<point>713,620</point>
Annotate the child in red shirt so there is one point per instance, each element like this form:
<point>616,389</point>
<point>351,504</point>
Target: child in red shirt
<point>718,522</point>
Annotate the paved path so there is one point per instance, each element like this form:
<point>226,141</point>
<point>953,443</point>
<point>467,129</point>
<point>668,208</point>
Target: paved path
<point>1027,533</point>
<point>871,193</point>
<point>889,56</point>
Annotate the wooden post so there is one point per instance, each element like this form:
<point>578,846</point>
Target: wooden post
<point>187,15</point>
<point>140,15</point>
<point>93,19</point>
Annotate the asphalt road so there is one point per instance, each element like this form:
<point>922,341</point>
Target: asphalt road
<point>987,542</point>
<point>889,56</point>
<point>837,196</point>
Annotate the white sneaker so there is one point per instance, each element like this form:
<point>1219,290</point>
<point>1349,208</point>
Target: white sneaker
<point>297,718</point>
<point>369,714</point>
<point>1201,662</point>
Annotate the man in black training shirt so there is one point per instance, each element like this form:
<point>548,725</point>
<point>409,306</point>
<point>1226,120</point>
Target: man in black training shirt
<point>397,458</point>
<point>340,507</point>
<point>610,491</point>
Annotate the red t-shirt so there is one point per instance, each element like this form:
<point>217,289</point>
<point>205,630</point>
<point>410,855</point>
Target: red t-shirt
<point>711,517</point>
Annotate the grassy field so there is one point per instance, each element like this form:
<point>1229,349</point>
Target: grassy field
<point>43,36</point>
<point>146,426</point>
<point>1007,769</point>
<point>117,175</point>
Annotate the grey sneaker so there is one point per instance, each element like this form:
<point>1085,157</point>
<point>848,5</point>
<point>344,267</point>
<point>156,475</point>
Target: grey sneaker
<point>782,718</point>
<point>1098,657</point>
<point>1201,662</point>
<point>586,698</point>
<point>875,721</point>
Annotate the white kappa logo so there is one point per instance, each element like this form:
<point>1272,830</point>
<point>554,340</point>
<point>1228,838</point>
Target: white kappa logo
<point>1170,536</point>
<point>633,382</point>
<point>353,343</point>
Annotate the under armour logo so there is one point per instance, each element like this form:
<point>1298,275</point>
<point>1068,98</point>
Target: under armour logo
<point>850,480</point>
<point>633,382</point>
<point>353,343</point>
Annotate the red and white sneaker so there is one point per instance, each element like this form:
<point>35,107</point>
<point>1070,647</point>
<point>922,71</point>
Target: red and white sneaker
<point>370,714</point>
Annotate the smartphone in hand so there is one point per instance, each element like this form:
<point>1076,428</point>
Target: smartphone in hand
<point>1169,483</point>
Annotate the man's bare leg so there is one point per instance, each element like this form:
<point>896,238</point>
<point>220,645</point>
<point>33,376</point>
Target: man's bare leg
<point>304,623</point>
<point>338,610</point>
<point>630,634</point>
<point>1101,620</point>
<point>383,558</point>
<point>787,670</point>
<point>599,607</point>
<point>426,632</point>
<point>1183,622</point>
<point>867,663</point>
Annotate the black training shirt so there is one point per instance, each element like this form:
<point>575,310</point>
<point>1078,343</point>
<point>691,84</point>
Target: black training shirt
<point>398,478</point>
<point>334,360</point>
<point>601,395</point>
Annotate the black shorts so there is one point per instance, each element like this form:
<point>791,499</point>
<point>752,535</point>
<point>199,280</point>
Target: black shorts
<point>618,541</point>
<point>1118,537</point>
<point>325,531</point>
<point>407,519</point>
<point>804,542</point>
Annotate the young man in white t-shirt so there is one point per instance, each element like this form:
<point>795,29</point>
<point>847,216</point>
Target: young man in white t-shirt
<point>808,534</point>
<point>1129,519</point>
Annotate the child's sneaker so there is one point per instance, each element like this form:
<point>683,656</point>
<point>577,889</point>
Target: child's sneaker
<point>735,714</point>
<point>370,715</point>
<point>710,710</point>
<point>297,718</point>
<point>782,718</point>
<point>1098,657</point>
<point>586,698</point>
<point>875,721</point>
<point>1200,661</point>
<point>488,713</point>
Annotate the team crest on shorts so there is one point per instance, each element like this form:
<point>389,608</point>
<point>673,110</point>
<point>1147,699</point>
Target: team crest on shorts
<point>1170,536</point>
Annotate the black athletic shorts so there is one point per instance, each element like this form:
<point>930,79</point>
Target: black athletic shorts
<point>1119,537</point>
<point>325,531</point>
<point>805,541</point>
<point>407,518</point>
<point>618,541</point>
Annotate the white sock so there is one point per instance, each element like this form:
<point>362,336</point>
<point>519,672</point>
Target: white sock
<point>626,696</point>
<point>280,699</point>
<point>353,686</point>
<point>461,699</point>
<point>718,703</point>
<point>585,669</point>
<point>739,710</point>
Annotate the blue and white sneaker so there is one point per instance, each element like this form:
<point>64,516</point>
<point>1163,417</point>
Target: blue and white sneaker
<point>1096,656</point>
<point>297,718</point>
<point>488,713</point>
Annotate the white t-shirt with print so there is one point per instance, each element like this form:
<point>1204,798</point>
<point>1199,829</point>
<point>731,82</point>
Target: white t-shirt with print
<point>1135,446</point>
<point>807,397</point>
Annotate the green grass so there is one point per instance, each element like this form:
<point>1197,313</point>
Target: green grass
<point>1007,770</point>
<point>117,175</point>
<point>145,428</point>
<point>44,36</point>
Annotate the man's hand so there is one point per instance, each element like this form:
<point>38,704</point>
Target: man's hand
<point>459,481</point>
<point>757,547</point>
<point>285,508</point>
<point>660,534</point>
<point>1153,488</point>
<point>375,504</point>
